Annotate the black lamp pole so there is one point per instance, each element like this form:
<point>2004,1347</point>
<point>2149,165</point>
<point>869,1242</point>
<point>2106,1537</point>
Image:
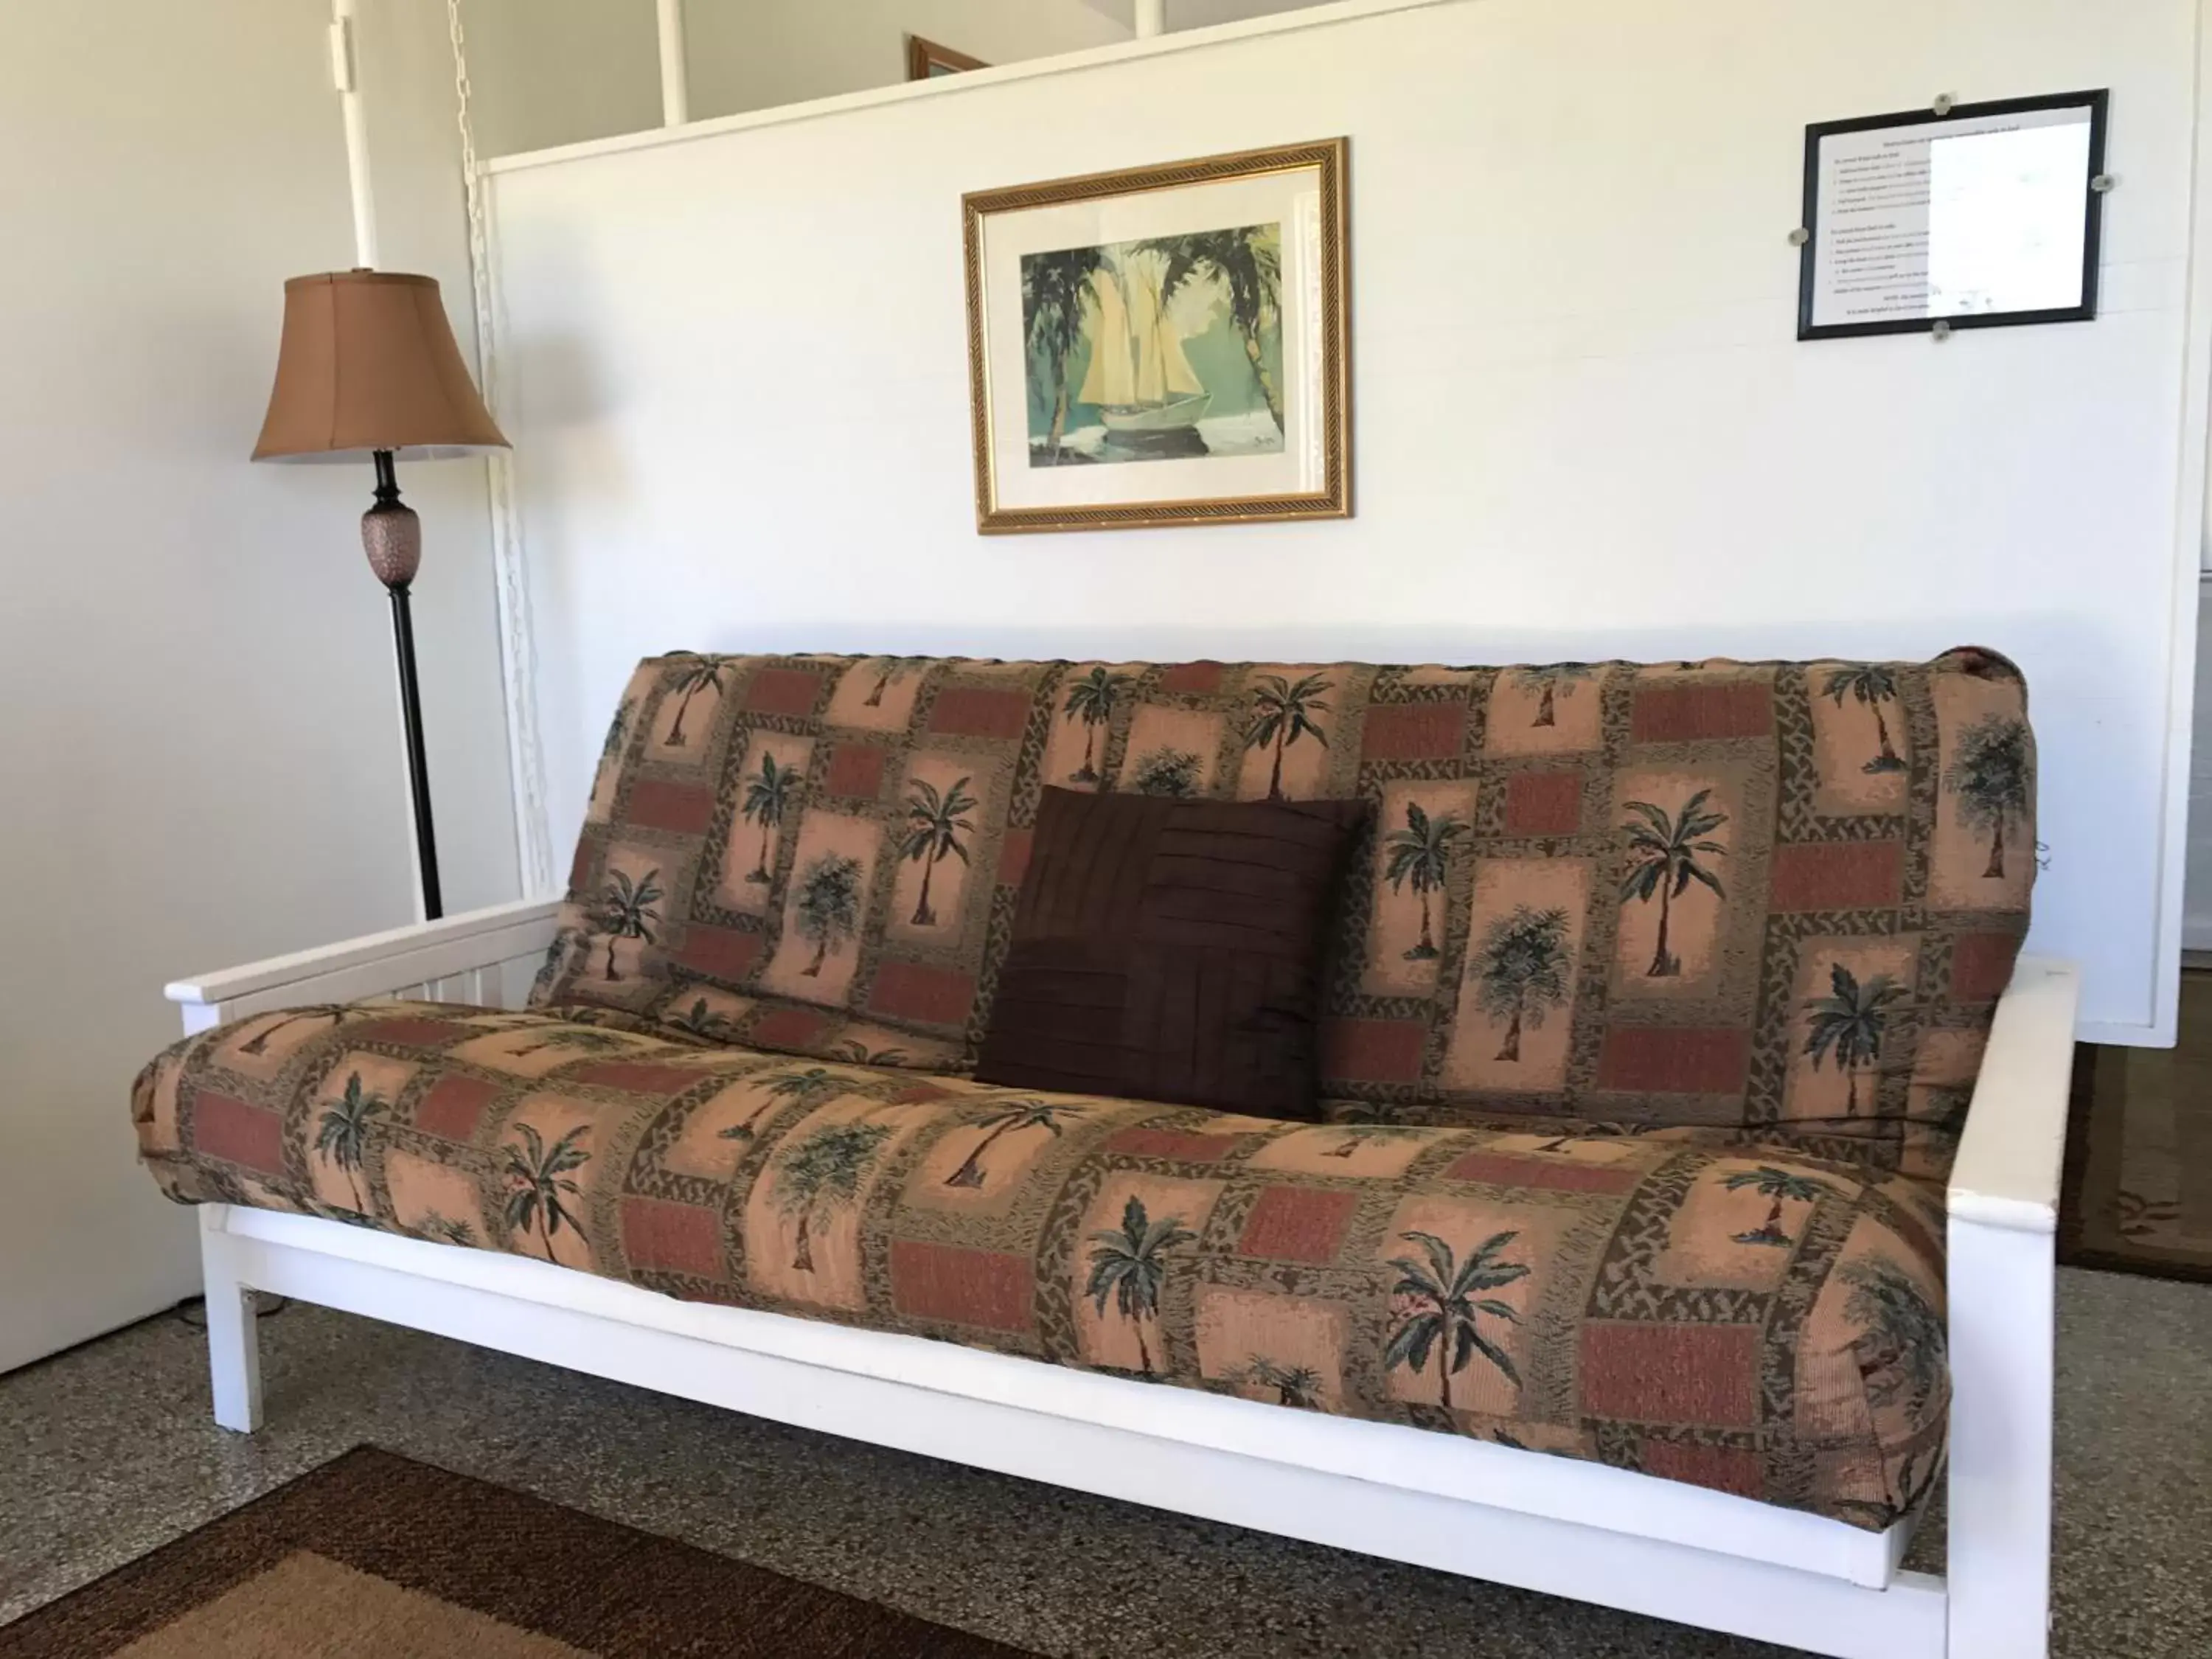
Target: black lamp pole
<point>392,536</point>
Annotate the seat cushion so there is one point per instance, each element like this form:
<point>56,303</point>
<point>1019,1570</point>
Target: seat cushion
<point>1737,1315</point>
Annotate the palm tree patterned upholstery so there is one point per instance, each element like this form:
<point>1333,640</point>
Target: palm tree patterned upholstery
<point>1641,1082</point>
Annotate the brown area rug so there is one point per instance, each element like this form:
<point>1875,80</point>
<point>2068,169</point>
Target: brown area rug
<point>374,1555</point>
<point>2138,1195</point>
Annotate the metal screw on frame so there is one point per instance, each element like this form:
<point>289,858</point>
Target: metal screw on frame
<point>1941,330</point>
<point>1943,103</point>
<point>1800,236</point>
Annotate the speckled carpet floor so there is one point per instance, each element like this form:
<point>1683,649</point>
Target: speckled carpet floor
<point>108,1451</point>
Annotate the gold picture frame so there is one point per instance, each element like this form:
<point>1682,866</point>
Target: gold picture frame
<point>1195,315</point>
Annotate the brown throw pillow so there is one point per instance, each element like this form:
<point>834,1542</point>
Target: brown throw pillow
<point>1171,950</point>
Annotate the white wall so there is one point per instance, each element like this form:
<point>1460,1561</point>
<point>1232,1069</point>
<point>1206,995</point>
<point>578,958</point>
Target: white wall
<point>754,54</point>
<point>197,726</point>
<point>738,364</point>
<point>546,72</point>
<point>1201,14</point>
<point>549,72</point>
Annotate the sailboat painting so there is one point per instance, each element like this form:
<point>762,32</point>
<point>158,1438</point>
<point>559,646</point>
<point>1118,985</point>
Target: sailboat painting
<point>1167,348</point>
<point>1167,344</point>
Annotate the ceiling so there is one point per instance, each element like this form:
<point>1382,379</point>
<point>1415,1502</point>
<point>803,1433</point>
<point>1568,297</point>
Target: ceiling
<point>1200,13</point>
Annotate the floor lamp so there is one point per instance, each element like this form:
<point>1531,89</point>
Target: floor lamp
<point>368,368</point>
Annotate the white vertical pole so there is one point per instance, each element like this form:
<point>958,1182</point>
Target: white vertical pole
<point>675,78</point>
<point>1151,18</point>
<point>345,74</point>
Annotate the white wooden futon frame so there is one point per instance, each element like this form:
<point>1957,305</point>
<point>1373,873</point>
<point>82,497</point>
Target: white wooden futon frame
<point>1566,1527</point>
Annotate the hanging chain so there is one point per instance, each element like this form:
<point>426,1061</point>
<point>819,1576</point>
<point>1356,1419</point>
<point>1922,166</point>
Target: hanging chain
<point>472,187</point>
<point>533,846</point>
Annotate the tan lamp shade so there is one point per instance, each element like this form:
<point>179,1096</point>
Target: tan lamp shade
<point>368,362</point>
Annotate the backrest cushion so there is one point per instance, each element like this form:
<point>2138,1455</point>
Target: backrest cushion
<point>1778,895</point>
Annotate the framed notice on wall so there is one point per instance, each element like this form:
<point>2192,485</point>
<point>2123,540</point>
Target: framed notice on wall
<point>1982,215</point>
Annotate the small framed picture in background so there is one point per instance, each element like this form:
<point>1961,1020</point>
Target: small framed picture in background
<point>925,60</point>
<point>1165,345</point>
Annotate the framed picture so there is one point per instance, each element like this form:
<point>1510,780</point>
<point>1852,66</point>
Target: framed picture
<point>1978,217</point>
<point>1166,345</point>
<point>925,60</point>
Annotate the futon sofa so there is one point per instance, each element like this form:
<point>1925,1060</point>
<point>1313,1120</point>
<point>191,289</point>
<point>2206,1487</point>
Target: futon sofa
<point>1657,1008</point>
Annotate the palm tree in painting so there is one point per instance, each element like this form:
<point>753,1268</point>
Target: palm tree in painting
<point>342,1132</point>
<point>825,1171</point>
<point>1093,700</point>
<point>1870,684</point>
<point>1551,682</point>
<point>827,912</point>
<point>1357,1135</point>
<point>889,670</point>
<point>1781,1188</point>
<point>1420,856</point>
<point>1436,1305</point>
<point>336,1012</point>
<point>628,910</point>
<point>1130,1265</point>
<point>694,674</point>
<point>1282,713</point>
<point>769,794</point>
<point>1662,860</point>
<point>1993,777</point>
<point>1247,263</point>
<point>538,1176</point>
<point>1007,1118</point>
<point>1056,300</point>
<point>1294,1385</point>
<point>1902,1350</point>
<point>1520,972</point>
<point>934,827</point>
<point>1850,1022</point>
<point>1166,772</point>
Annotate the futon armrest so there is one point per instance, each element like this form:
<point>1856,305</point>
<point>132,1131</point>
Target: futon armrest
<point>2015,1145</point>
<point>378,964</point>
